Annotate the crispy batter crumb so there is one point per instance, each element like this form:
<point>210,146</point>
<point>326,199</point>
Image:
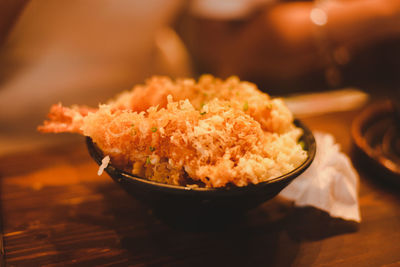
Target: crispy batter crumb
<point>211,133</point>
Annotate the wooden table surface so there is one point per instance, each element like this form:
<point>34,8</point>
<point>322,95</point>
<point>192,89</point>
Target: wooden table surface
<point>56,211</point>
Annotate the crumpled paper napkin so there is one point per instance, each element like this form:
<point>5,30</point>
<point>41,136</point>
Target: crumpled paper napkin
<point>329,184</point>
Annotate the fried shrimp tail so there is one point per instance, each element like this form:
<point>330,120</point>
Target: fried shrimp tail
<point>63,119</point>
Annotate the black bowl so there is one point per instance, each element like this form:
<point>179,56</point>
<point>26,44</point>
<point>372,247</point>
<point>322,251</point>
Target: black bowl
<point>376,135</point>
<point>181,205</point>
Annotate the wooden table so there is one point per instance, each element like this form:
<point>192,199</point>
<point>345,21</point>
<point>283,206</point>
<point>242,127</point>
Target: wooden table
<point>56,211</point>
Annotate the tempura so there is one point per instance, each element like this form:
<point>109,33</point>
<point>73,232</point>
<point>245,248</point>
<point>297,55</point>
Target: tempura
<point>212,133</point>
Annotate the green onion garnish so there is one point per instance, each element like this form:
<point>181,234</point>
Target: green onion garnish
<point>246,106</point>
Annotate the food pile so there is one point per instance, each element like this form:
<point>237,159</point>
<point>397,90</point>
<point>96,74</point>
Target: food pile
<point>210,133</point>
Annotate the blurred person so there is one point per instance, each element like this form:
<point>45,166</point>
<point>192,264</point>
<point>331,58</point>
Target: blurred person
<point>284,42</point>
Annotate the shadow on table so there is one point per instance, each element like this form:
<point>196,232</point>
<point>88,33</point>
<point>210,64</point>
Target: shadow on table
<point>269,235</point>
<point>309,223</point>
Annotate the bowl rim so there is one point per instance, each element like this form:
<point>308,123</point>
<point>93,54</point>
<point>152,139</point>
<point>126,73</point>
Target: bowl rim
<point>307,136</point>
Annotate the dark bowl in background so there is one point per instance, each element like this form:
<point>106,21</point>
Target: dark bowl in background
<point>376,135</point>
<point>185,206</point>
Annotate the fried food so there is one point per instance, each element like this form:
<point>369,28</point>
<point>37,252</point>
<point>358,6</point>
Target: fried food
<point>212,133</point>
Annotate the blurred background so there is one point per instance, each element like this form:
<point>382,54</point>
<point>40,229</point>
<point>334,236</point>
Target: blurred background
<point>84,52</point>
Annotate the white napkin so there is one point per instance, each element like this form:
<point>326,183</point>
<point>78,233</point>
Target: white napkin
<point>329,184</point>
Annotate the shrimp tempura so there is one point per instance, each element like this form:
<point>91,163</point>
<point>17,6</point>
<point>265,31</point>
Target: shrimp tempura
<point>203,140</point>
